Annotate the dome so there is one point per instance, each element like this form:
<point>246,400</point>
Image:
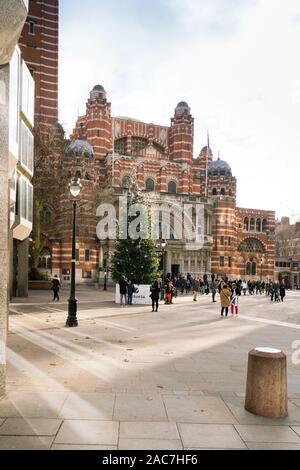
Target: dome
<point>206,150</point>
<point>79,148</point>
<point>98,88</point>
<point>98,92</point>
<point>182,104</point>
<point>219,168</point>
<point>182,108</point>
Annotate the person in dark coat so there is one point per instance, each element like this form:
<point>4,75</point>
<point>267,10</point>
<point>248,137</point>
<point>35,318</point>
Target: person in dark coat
<point>155,291</point>
<point>123,291</point>
<point>130,291</point>
<point>282,292</point>
<point>55,287</point>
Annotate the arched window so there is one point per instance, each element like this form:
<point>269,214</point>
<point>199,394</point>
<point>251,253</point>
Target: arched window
<point>120,146</point>
<point>264,225</point>
<point>222,192</point>
<point>246,224</point>
<point>46,216</point>
<point>126,182</point>
<point>149,184</point>
<point>214,192</point>
<point>258,225</point>
<point>248,269</point>
<point>45,259</point>
<point>252,225</point>
<point>138,144</point>
<point>230,192</point>
<point>251,245</point>
<point>253,269</point>
<point>172,189</point>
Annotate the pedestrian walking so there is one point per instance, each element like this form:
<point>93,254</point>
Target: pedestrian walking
<point>169,291</point>
<point>282,292</point>
<point>214,288</point>
<point>55,287</point>
<point>130,291</point>
<point>195,289</point>
<point>123,291</point>
<point>234,301</point>
<point>244,287</point>
<point>225,295</point>
<point>155,290</point>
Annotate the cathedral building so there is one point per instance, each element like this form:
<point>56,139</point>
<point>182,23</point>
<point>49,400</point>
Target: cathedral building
<point>109,154</point>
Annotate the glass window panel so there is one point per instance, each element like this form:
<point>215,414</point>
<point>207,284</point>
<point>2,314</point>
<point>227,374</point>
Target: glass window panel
<point>14,97</point>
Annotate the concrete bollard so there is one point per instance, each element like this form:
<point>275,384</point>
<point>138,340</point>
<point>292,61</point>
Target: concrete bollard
<point>266,391</point>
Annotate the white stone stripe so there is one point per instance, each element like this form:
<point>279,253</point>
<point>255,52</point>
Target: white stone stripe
<point>36,25</point>
<point>47,35</point>
<point>46,98</point>
<point>41,65</point>
<point>48,107</point>
<point>47,75</point>
<point>49,83</point>
<point>50,58</point>
<point>42,18</point>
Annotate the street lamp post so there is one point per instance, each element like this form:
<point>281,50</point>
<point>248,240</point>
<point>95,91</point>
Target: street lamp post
<point>105,281</point>
<point>261,265</point>
<point>75,188</point>
<point>163,245</point>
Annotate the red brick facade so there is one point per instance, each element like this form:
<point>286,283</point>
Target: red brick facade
<point>39,46</point>
<point>159,159</point>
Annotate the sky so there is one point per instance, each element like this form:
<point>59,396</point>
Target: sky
<point>236,63</point>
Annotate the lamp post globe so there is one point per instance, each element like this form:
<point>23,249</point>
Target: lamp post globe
<point>75,188</point>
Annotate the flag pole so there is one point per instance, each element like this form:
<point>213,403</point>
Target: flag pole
<point>113,152</point>
<point>206,166</point>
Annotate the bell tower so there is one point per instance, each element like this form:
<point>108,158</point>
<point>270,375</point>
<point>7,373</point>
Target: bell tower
<point>181,136</point>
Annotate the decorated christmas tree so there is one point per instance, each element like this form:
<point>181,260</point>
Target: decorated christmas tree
<point>135,256</point>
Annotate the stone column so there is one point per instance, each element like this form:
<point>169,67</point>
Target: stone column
<point>4,219</point>
<point>168,257</point>
<point>23,250</point>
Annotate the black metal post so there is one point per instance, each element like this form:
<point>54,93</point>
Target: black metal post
<point>72,306</point>
<point>260,271</point>
<point>105,282</point>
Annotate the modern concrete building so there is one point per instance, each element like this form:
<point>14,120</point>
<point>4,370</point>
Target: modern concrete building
<point>12,18</point>
<point>21,108</point>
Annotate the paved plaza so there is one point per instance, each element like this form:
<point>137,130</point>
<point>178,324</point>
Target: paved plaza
<point>128,378</point>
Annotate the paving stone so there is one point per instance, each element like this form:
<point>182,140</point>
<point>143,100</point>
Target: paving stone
<point>198,409</point>
<point>272,446</point>
<point>149,444</point>
<point>148,430</point>
<point>296,429</point>
<point>210,436</point>
<point>139,408</point>
<point>261,433</point>
<point>30,427</point>
<point>237,407</point>
<point>25,443</point>
<point>86,432</point>
<point>88,406</point>
<point>81,447</point>
<point>32,405</point>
